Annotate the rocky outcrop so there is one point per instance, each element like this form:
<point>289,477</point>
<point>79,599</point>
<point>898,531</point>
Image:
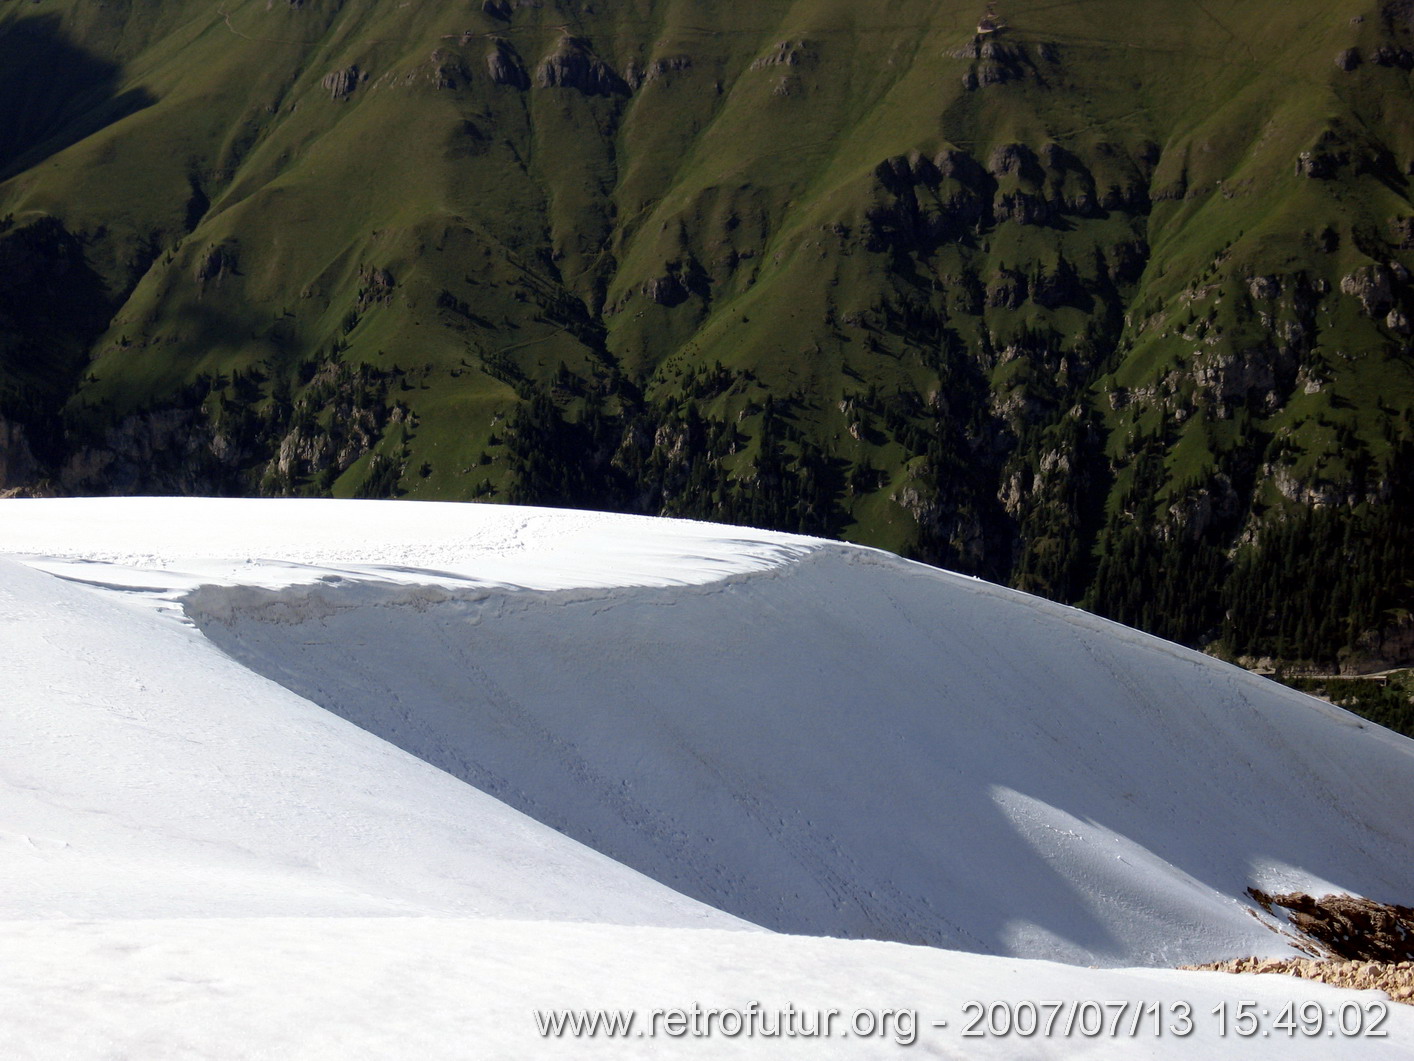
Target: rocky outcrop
<point>997,61</point>
<point>163,451</point>
<point>1318,166</point>
<point>1263,288</point>
<point>309,449</point>
<point>1373,285</point>
<point>504,65</point>
<point>1345,149</point>
<point>922,203</point>
<point>1325,158</point>
<point>1388,55</point>
<point>341,83</point>
<point>218,262</point>
<point>215,444</point>
<point>1131,197</point>
<point>901,173</point>
<point>1007,290</point>
<point>961,167</point>
<point>660,69</point>
<point>1387,648</point>
<point>940,516</point>
<point>573,64</point>
<point>786,53</point>
<point>375,287</point>
<point>447,70</point>
<point>1070,183</point>
<point>666,290</point>
<point>1015,160</point>
<point>906,226</point>
<point>925,202</point>
<point>1347,927</point>
<point>1228,379</point>
<point>1395,979</point>
<point>679,281</point>
<point>1310,492</point>
<point>1349,59</point>
<point>1025,208</point>
<point>1040,189</point>
<point>1201,508</point>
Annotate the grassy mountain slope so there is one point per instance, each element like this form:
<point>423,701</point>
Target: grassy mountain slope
<point>1114,308</point>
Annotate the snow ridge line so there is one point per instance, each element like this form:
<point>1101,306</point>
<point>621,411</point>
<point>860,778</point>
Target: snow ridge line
<point>1090,621</point>
<point>329,594</point>
<point>380,585</point>
<point>338,589</point>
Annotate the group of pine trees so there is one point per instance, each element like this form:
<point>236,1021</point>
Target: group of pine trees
<point>670,458</point>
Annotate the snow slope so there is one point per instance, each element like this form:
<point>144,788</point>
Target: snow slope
<point>147,775</point>
<point>432,988</point>
<point>813,737</point>
<point>817,738</point>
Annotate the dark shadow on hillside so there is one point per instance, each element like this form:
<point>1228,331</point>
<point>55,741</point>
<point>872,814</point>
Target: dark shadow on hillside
<point>55,93</point>
<point>53,306</point>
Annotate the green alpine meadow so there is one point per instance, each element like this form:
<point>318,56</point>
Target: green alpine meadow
<point>1110,302</point>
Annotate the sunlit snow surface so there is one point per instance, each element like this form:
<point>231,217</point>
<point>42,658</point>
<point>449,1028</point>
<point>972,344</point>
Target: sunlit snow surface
<point>698,722</point>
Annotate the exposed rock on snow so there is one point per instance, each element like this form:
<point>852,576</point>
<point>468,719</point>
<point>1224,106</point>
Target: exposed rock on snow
<point>1346,926</point>
<point>1395,979</point>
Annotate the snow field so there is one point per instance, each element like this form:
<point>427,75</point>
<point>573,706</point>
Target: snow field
<point>234,817</point>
